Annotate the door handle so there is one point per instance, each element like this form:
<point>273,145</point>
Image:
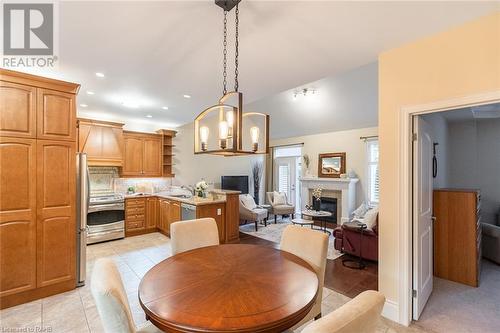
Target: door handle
<point>434,219</point>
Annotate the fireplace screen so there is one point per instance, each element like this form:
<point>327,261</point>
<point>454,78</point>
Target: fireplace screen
<point>329,205</point>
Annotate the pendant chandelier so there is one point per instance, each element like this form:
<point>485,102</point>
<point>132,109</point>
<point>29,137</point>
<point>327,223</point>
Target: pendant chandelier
<point>224,129</point>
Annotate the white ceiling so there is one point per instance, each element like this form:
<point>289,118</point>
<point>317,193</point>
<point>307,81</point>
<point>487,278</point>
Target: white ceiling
<point>153,53</point>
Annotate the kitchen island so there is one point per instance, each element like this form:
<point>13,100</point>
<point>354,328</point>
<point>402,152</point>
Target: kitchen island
<point>146,213</point>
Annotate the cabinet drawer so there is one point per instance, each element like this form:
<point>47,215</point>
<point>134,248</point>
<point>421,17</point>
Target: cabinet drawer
<point>135,217</point>
<point>135,210</point>
<point>135,225</point>
<point>135,202</point>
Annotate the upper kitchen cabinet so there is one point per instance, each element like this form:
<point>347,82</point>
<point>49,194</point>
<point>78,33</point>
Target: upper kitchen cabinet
<point>37,107</point>
<point>142,155</point>
<point>56,116</point>
<point>18,116</point>
<point>102,142</point>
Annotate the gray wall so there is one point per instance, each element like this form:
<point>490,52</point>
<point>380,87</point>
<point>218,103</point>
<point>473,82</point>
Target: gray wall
<point>474,161</point>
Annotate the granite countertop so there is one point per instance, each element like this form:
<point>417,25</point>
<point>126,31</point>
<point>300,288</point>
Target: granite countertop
<point>195,201</point>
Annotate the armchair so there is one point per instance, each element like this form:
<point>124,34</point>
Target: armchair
<point>279,208</point>
<point>491,242</point>
<point>249,211</point>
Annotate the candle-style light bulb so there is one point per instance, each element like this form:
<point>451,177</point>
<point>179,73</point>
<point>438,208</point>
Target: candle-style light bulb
<point>254,135</point>
<point>230,123</point>
<point>223,134</point>
<point>204,132</point>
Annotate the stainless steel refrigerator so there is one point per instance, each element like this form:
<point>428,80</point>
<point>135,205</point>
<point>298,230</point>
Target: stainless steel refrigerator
<point>82,204</point>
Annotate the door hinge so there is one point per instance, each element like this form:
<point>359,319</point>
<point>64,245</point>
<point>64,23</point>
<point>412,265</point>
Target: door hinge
<point>414,136</point>
<point>414,293</point>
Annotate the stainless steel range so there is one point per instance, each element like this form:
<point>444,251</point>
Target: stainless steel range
<point>106,218</point>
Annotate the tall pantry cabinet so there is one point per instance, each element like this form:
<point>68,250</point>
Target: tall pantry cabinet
<point>37,187</point>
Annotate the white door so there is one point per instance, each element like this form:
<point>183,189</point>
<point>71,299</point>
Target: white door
<point>285,177</point>
<point>422,218</point>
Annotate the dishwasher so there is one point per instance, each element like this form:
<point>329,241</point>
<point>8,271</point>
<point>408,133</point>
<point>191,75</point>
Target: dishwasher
<point>188,212</point>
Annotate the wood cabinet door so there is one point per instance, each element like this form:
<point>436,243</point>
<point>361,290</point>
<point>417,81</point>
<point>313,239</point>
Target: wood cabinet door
<point>17,215</point>
<point>133,156</point>
<point>164,216</point>
<point>56,238</point>
<point>174,214</point>
<point>152,164</point>
<point>151,213</point>
<point>215,211</point>
<point>18,110</point>
<point>102,144</point>
<point>56,115</point>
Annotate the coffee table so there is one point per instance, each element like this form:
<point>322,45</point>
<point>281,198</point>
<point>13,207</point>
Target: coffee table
<point>316,216</point>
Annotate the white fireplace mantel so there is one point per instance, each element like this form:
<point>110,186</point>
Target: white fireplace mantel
<point>347,187</point>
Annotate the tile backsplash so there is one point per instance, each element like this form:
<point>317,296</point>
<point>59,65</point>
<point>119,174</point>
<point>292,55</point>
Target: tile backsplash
<point>142,185</point>
<point>102,179</point>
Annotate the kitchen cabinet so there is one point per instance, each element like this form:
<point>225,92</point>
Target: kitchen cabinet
<point>56,115</point>
<point>152,213</point>
<point>102,141</point>
<point>169,212</point>
<point>18,116</point>
<point>135,215</point>
<point>18,215</point>
<point>215,211</point>
<point>56,165</point>
<point>143,155</point>
<point>37,187</point>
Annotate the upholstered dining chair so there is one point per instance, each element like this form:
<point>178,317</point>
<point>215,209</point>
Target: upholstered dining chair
<point>311,246</point>
<point>192,234</point>
<point>278,207</point>
<point>112,302</point>
<point>359,315</point>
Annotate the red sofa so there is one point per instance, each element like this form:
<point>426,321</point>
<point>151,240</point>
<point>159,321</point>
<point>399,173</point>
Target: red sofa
<point>347,241</point>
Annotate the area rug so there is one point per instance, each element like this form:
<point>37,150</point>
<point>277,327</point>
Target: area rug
<point>273,233</point>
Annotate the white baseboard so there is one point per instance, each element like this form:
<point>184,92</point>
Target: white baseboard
<point>391,310</point>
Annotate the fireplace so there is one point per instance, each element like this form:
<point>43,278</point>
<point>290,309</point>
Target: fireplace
<point>327,204</point>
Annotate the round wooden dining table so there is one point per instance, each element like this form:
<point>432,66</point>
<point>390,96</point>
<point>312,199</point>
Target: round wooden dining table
<point>229,288</point>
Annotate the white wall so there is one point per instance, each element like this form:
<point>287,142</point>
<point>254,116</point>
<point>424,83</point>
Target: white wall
<point>475,161</point>
<point>337,142</point>
<point>190,168</point>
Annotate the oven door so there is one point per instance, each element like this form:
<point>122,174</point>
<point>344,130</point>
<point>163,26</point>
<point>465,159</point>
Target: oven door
<point>105,222</point>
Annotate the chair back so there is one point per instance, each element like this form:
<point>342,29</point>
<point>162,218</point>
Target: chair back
<point>312,246</point>
<point>270,197</point>
<point>110,298</point>
<point>247,201</point>
<point>359,315</point>
<point>193,234</point>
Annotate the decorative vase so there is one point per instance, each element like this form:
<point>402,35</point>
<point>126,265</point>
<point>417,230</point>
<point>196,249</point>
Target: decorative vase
<point>317,205</point>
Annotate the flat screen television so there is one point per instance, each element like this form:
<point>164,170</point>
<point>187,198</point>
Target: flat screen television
<point>235,183</point>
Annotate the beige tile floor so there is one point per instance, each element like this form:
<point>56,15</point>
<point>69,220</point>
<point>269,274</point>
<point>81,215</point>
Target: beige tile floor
<point>75,311</point>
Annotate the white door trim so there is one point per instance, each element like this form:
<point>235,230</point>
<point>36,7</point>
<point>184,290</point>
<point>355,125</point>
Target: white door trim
<point>404,241</point>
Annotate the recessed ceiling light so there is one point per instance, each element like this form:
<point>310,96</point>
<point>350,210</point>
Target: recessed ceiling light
<point>83,105</point>
<point>187,96</point>
<point>90,92</point>
<point>99,74</point>
<point>149,116</point>
<point>164,107</point>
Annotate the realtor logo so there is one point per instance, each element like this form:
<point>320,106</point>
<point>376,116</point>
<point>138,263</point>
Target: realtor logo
<point>28,29</point>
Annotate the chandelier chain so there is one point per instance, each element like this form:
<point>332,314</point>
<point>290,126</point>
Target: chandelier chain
<point>224,73</point>
<point>236,53</point>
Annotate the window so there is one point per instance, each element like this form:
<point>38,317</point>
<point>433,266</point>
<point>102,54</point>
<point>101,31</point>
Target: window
<point>283,179</point>
<point>372,172</point>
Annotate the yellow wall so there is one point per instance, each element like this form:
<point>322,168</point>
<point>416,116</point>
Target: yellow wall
<point>459,62</point>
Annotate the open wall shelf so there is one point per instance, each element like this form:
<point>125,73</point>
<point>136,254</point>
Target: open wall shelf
<point>167,151</point>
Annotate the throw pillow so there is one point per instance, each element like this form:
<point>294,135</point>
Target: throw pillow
<point>371,218</point>
<point>248,201</point>
<point>360,211</point>
<point>279,198</point>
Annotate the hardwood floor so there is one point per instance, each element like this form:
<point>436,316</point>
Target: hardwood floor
<point>347,281</point>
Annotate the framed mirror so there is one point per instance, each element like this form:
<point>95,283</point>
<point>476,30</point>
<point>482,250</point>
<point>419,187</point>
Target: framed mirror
<point>331,165</point>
